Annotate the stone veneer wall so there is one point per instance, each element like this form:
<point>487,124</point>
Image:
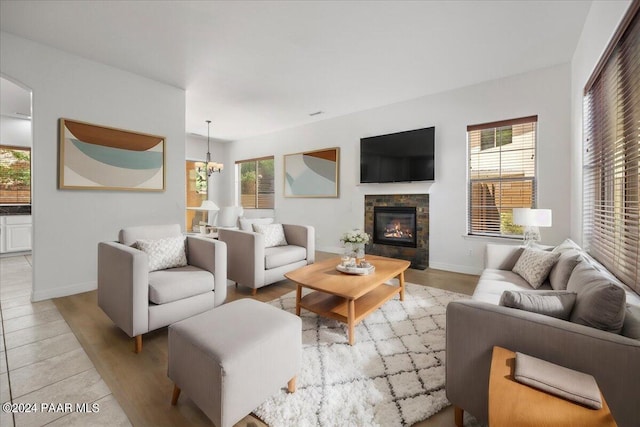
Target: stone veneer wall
<point>418,256</point>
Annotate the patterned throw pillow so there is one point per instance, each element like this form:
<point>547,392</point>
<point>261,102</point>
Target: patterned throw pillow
<point>273,234</point>
<point>534,266</point>
<point>164,253</point>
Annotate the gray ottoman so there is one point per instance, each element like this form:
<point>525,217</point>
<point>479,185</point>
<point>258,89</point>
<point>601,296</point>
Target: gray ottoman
<point>231,359</point>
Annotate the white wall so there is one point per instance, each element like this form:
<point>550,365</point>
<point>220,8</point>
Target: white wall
<point>544,92</point>
<point>600,25</point>
<point>15,131</point>
<point>68,224</point>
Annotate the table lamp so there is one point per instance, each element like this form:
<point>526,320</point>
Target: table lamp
<point>206,206</point>
<point>531,219</point>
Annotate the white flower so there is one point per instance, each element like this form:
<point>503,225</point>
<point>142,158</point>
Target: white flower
<point>355,236</point>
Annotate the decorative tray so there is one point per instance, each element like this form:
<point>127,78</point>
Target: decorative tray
<point>356,270</point>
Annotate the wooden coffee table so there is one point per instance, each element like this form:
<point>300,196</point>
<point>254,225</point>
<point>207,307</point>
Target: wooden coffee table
<point>345,297</point>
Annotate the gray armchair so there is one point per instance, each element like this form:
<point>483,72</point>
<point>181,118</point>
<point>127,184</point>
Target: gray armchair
<point>250,264</point>
<point>139,301</point>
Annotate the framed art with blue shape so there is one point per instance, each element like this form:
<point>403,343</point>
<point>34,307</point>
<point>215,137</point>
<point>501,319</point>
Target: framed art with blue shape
<point>94,157</point>
<point>312,173</point>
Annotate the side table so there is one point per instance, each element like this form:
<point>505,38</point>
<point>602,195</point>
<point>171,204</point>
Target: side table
<point>208,235</point>
<point>514,404</point>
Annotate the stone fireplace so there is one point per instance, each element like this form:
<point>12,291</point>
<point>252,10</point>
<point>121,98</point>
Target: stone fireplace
<point>399,227</point>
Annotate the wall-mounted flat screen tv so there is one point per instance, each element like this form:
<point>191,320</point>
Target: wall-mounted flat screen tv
<point>398,157</point>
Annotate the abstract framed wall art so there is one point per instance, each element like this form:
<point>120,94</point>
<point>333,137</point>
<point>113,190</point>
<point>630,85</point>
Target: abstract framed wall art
<point>312,173</point>
<point>93,157</point>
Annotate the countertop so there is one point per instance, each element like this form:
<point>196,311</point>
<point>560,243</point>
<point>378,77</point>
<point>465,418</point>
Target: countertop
<point>6,210</point>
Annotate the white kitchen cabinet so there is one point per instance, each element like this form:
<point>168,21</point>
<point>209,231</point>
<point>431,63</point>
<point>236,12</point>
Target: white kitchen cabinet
<point>15,233</point>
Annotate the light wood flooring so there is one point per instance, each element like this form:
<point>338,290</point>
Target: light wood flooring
<point>139,382</point>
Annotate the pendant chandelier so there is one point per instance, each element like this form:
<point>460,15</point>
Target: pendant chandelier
<point>208,166</point>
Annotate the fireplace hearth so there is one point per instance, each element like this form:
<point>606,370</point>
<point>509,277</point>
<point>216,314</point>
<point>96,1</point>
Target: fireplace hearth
<point>394,226</point>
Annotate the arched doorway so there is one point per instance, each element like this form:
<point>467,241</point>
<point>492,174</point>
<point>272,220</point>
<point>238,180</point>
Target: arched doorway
<point>16,183</point>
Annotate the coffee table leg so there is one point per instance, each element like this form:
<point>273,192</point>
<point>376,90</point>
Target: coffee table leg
<point>298,297</point>
<point>351,320</point>
<point>401,279</point>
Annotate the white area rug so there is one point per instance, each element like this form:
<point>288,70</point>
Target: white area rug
<point>393,376</point>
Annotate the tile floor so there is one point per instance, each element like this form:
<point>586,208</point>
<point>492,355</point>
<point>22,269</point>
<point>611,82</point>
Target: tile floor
<point>42,362</point>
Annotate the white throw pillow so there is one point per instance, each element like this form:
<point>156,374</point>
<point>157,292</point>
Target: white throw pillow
<point>164,253</point>
<point>534,266</point>
<point>273,234</point>
<point>567,245</point>
<point>246,224</point>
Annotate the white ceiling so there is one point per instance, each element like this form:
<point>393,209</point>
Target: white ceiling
<point>258,66</point>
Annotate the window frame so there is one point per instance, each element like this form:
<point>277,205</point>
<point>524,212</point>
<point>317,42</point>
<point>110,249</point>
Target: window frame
<point>239,202</point>
<point>194,196</point>
<point>471,206</point>
<point>17,201</point>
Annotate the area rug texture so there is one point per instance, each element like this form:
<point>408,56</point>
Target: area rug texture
<point>393,376</point>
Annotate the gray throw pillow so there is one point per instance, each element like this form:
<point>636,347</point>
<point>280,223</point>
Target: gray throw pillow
<point>550,303</point>
<point>561,271</point>
<point>534,266</point>
<point>584,274</point>
<point>599,302</point>
<point>631,326</point>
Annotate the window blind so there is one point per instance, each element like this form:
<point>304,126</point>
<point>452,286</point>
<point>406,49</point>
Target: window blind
<point>611,157</point>
<point>502,174</point>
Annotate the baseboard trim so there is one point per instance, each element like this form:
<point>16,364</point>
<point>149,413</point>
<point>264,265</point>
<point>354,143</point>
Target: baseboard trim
<point>63,291</point>
<point>464,269</point>
<point>330,249</point>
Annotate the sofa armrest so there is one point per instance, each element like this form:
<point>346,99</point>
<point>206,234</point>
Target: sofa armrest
<point>502,257</point>
<point>211,255</point>
<point>473,328</point>
<point>123,286</point>
<point>302,235</point>
<point>245,256</point>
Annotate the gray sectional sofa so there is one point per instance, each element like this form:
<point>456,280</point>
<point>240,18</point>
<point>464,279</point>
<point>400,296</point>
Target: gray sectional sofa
<point>475,326</point>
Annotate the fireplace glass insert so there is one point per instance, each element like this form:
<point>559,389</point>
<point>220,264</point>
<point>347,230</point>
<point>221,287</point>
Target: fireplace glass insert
<point>394,226</point>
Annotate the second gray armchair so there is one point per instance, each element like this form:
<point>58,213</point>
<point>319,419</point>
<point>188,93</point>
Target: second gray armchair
<point>251,264</point>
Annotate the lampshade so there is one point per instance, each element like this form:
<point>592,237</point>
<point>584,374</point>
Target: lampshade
<point>532,217</point>
<point>207,205</point>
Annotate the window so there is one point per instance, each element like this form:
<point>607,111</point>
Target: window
<point>495,137</point>
<point>502,175</point>
<point>255,178</point>
<point>15,175</point>
<point>196,193</point>
<point>611,157</point>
